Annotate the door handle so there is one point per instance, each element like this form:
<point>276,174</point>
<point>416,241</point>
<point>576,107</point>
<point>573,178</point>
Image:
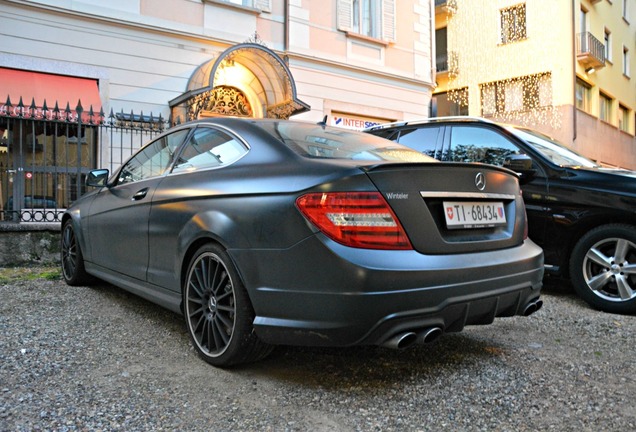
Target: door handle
<point>140,194</point>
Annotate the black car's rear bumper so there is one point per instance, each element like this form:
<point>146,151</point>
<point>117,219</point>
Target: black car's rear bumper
<point>345,296</point>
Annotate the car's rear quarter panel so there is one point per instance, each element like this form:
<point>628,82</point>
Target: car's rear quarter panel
<point>248,205</point>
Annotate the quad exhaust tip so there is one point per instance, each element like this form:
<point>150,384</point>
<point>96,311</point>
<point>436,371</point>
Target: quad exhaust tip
<point>532,307</point>
<point>406,339</point>
<point>430,335</point>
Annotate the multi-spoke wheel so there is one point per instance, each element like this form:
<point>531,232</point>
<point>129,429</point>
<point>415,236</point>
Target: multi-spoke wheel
<point>218,312</point>
<point>603,268</point>
<point>72,258</point>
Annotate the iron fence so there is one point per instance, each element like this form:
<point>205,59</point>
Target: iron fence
<point>45,154</point>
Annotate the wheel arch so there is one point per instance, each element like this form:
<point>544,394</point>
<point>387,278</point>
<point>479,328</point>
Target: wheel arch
<point>79,234</point>
<point>589,223</point>
<point>192,248</point>
<point>202,228</point>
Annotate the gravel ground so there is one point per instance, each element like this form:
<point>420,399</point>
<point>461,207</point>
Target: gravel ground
<point>101,359</point>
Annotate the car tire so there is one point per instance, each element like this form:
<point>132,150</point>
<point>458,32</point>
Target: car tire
<point>217,311</point>
<point>603,268</point>
<point>72,259</point>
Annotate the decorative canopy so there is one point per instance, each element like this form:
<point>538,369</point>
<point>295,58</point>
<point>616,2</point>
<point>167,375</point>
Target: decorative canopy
<point>247,80</point>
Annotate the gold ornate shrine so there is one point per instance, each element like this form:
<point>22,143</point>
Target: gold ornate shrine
<point>247,80</point>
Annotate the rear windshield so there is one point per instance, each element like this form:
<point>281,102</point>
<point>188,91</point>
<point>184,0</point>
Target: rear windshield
<point>317,141</point>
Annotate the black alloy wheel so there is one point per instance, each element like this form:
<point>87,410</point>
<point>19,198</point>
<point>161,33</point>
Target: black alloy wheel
<point>218,312</point>
<point>72,259</point>
<point>603,268</point>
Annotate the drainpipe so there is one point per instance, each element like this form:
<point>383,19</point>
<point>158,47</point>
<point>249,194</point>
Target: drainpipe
<point>286,27</point>
<point>574,113</point>
<point>432,25</point>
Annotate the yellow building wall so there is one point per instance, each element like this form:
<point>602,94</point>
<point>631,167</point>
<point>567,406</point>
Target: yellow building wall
<point>474,33</point>
<point>607,16</point>
<point>550,46</point>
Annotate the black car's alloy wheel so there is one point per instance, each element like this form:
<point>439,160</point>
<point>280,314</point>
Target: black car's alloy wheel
<point>72,258</point>
<point>218,312</point>
<point>603,268</point>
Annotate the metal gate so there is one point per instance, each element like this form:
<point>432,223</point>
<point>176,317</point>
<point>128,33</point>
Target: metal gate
<point>45,154</point>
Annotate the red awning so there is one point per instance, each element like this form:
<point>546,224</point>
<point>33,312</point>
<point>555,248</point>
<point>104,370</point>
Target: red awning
<point>52,88</point>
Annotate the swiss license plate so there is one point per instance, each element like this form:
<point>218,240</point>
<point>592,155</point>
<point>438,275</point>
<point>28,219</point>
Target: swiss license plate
<point>474,214</point>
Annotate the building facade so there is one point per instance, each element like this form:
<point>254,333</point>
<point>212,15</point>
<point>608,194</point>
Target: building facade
<point>565,68</point>
<point>145,62</point>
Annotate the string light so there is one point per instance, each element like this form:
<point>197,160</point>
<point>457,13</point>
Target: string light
<point>480,68</point>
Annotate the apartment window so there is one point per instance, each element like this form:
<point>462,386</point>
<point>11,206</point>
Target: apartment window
<point>454,105</point>
<point>513,23</point>
<point>626,61</point>
<point>256,4</point>
<point>623,118</point>
<point>583,20</point>
<point>441,50</point>
<point>365,17</point>
<point>517,94</point>
<point>605,108</point>
<point>369,18</point>
<point>608,45</point>
<point>583,95</point>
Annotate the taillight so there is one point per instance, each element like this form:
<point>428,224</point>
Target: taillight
<point>525,215</point>
<point>356,219</point>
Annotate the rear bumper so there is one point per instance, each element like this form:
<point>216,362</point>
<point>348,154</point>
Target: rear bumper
<point>321,293</point>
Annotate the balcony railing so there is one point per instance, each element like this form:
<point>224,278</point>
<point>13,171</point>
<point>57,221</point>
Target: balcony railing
<point>590,51</point>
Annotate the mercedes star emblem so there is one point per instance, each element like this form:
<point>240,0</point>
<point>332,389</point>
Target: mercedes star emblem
<point>480,181</point>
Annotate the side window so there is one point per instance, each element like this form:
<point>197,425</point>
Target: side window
<point>423,140</point>
<point>477,144</point>
<point>153,159</point>
<point>209,148</point>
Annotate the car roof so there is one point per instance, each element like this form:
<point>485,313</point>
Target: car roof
<point>432,120</point>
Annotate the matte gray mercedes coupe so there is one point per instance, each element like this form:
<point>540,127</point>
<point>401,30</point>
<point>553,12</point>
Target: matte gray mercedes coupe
<point>264,232</point>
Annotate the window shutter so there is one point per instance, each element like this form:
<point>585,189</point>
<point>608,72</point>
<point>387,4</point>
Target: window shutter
<point>264,5</point>
<point>345,15</point>
<point>388,20</point>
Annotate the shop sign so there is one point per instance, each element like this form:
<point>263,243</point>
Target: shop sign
<point>355,122</point>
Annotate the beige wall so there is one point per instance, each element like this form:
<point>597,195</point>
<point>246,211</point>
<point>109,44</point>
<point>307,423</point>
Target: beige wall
<point>144,51</point>
<point>335,71</point>
<point>604,142</point>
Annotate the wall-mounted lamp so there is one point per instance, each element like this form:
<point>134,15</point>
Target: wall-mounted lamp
<point>590,70</point>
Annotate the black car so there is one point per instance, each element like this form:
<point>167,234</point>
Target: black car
<point>582,214</point>
<point>269,232</point>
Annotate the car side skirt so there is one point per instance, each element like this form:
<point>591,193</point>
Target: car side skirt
<point>165,298</point>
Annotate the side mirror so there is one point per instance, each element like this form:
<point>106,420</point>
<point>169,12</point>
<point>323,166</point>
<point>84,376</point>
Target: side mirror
<point>97,178</point>
<point>522,165</point>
